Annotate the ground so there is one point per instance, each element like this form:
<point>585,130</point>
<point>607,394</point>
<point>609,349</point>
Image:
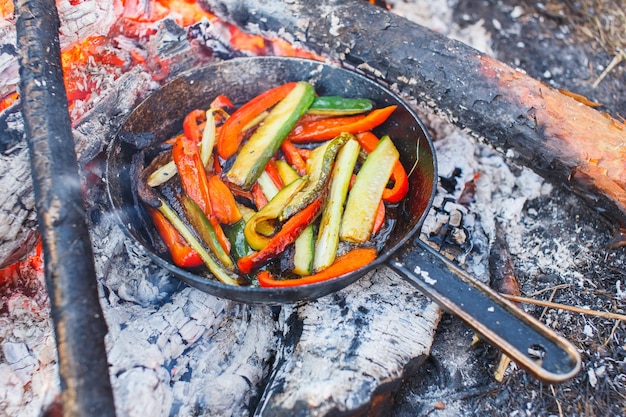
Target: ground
<point>577,46</point>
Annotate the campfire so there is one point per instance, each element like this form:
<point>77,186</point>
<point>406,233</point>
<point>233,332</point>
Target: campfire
<point>377,347</point>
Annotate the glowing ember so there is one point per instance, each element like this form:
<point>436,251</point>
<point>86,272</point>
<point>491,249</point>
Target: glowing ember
<point>87,61</point>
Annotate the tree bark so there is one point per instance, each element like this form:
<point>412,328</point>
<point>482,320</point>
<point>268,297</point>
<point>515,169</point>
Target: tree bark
<point>550,132</point>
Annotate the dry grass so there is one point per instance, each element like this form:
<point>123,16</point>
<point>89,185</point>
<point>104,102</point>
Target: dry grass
<point>601,22</point>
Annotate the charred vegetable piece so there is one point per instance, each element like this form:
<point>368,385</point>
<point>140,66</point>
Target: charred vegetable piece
<point>260,226</point>
<point>265,141</point>
<point>223,202</point>
<point>238,245</point>
<point>395,194</point>
<point>168,170</point>
<point>230,136</point>
<point>327,128</point>
<point>283,238</point>
<point>203,228</point>
<point>364,197</point>
<point>328,235</point>
<point>350,262</point>
<point>339,106</point>
<point>319,166</point>
<point>195,181</point>
<point>221,273</point>
<point>182,254</point>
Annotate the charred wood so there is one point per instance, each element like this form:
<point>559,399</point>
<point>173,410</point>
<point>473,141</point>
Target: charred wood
<point>68,257</point>
<point>94,122</point>
<point>550,132</point>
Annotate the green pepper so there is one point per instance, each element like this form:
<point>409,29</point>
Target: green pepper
<point>238,245</point>
<point>339,106</point>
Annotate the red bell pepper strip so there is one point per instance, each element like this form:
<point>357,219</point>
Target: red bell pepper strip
<point>328,128</point>
<point>368,142</point>
<point>293,157</point>
<point>222,102</point>
<point>380,218</point>
<point>195,181</point>
<point>230,136</point>
<point>192,124</point>
<point>271,170</point>
<point>349,262</point>
<point>222,201</point>
<point>182,254</point>
<point>284,237</point>
<point>258,198</point>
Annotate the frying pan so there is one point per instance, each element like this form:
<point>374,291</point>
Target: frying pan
<point>532,345</point>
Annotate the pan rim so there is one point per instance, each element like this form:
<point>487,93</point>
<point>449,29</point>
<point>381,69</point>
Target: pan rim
<point>262,295</point>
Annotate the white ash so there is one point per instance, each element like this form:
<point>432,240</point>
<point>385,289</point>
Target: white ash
<point>84,19</point>
<point>28,363</point>
<point>351,343</point>
<point>175,348</point>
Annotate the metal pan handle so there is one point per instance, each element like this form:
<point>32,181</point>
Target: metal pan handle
<point>524,339</point>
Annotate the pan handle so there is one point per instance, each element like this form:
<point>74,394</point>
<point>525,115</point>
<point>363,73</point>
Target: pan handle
<point>524,339</point>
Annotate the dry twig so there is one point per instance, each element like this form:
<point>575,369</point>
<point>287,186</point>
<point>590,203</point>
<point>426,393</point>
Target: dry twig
<point>549,304</point>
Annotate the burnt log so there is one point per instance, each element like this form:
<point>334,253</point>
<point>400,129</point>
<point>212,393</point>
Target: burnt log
<point>550,132</point>
<point>68,257</point>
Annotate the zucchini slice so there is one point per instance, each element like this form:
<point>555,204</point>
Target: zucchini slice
<point>319,166</point>
<point>328,235</point>
<point>304,252</point>
<point>365,195</point>
<point>259,226</point>
<point>265,141</point>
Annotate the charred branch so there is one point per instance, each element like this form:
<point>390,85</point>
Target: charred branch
<point>69,266</point>
<point>550,132</point>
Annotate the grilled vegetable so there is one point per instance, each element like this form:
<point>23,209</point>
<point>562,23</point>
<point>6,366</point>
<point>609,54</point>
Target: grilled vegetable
<point>283,238</point>
<point>319,165</point>
<point>319,130</point>
<point>182,254</point>
<point>221,273</point>
<point>230,136</point>
<point>351,261</point>
<point>364,197</point>
<point>395,194</point>
<point>265,141</point>
<point>205,231</point>
<point>260,226</point>
<point>304,252</point>
<point>328,236</point>
<point>339,106</point>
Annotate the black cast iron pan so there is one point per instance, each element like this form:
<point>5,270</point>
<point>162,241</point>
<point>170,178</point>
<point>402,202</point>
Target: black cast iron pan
<point>532,345</point>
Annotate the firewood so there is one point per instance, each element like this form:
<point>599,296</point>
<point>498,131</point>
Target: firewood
<point>69,266</point>
<point>558,137</point>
